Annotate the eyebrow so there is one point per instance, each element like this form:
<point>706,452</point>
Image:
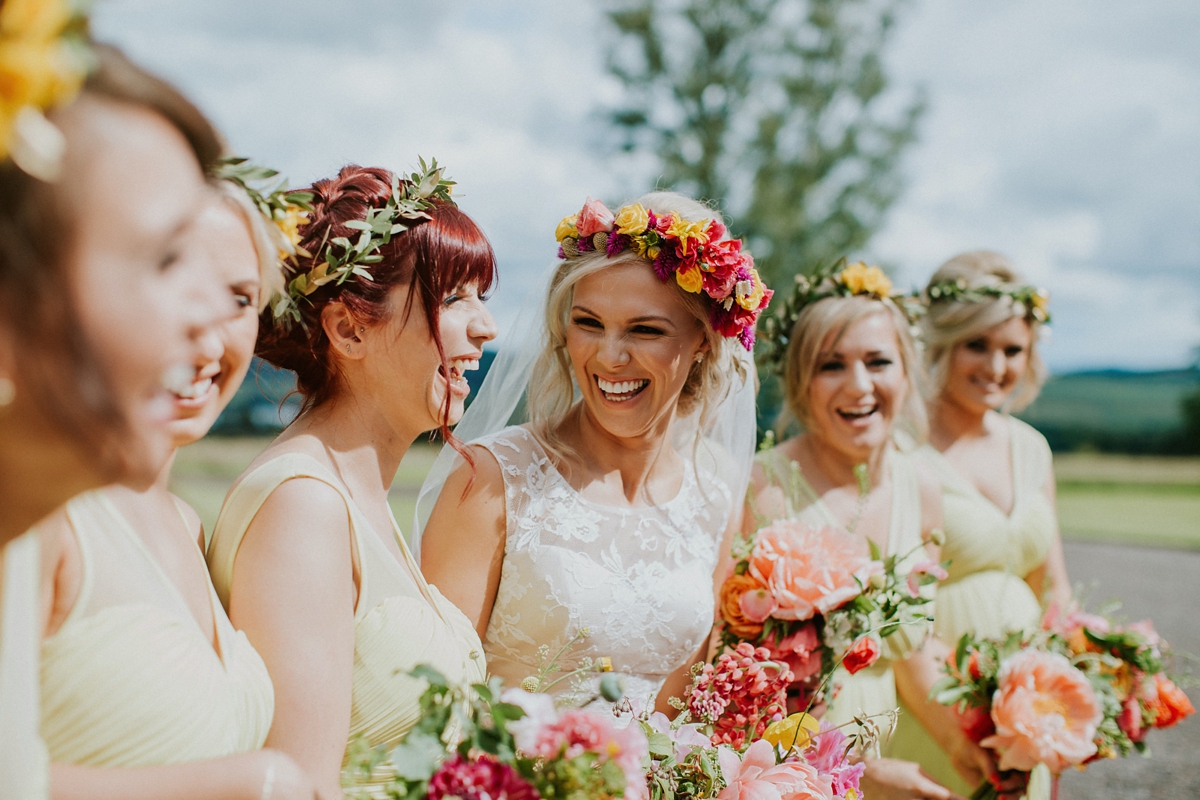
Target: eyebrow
<point>836,354</point>
<point>634,321</point>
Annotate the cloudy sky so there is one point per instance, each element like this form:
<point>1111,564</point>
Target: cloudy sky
<point>1065,133</point>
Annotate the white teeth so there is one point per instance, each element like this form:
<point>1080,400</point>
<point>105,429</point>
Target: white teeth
<point>861,411</point>
<point>461,365</point>
<point>178,378</point>
<point>620,387</point>
<point>194,390</point>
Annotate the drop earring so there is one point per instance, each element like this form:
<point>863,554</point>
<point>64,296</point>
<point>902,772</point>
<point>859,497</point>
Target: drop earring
<point>8,392</point>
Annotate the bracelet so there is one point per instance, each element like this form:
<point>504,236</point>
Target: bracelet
<point>268,782</point>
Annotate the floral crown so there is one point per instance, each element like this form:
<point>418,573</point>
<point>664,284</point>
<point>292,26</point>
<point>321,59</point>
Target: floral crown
<point>697,253</point>
<point>1028,301</point>
<point>44,59</point>
<point>337,259</point>
<point>836,280</point>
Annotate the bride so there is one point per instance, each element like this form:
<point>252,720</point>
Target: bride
<point>601,519</point>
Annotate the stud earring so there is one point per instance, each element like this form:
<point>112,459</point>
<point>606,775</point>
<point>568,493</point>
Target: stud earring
<point>8,392</point>
<point>699,357</point>
<point>347,347</point>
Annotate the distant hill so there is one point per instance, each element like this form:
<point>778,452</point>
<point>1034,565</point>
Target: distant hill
<point>1109,410</point>
<point>1114,410</point>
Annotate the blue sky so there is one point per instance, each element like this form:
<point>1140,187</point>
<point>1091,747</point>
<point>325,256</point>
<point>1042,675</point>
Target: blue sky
<point>1061,132</point>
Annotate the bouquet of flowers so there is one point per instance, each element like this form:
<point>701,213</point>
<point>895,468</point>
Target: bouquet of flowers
<point>487,743</point>
<point>817,598</point>
<point>732,741</point>
<point>1079,689</point>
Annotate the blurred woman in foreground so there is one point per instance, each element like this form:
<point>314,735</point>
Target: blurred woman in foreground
<point>1002,541</point>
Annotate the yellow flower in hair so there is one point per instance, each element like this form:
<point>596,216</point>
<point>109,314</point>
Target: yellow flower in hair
<point>686,232</point>
<point>1041,301</point>
<point>861,279</point>
<point>750,293</point>
<point>567,228</point>
<point>632,220</point>
<point>690,280</point>
<point>293,218</point>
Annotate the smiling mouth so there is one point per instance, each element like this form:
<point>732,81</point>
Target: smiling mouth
<point>456,376</point>
<point>621,391</point>
<point>857,413</point>
<point>187,386</point>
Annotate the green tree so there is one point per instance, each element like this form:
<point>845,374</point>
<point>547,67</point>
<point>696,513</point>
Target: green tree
<point>776,109</point>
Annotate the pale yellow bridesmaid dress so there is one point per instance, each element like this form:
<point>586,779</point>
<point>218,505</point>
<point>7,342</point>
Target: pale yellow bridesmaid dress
<point>871,690</point>
<point>990,554</point>
<point>24,768</point>
<point>130,679</point>
<point>400,620</point>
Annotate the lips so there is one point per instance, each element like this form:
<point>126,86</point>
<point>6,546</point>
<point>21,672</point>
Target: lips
<point>857,414</point>
<point>455,373</point>
<point>621,391</point>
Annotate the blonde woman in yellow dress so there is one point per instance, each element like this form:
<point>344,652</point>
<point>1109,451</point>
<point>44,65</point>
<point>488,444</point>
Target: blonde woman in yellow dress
<point>147,690</point>
<point>1002,539</point>
<point>306,554</point>
<point>850,372</point>
<point>101,291</point>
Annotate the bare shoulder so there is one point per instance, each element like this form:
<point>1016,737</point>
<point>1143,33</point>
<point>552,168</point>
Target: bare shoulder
<point>469,483</point>
<point>471,505</point>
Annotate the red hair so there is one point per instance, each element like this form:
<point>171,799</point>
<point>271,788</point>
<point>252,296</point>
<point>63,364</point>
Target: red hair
<point>433,257</point>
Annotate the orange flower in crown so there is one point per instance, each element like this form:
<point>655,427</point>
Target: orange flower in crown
<point>697,253</point>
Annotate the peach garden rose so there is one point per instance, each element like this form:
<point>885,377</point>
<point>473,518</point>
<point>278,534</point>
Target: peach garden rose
<point>808,570</point>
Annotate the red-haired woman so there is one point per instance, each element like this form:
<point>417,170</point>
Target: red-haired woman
<point>306,554</point>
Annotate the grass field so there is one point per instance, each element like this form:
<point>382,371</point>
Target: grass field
<point>1127,499</point>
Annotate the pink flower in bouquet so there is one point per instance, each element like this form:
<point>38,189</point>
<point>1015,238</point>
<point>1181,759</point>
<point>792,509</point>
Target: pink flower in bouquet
<point>828,755</point>
<point>861,654</point>
<point>924,568</point>
<point>481,779</point>
<point>685,738</point>
<point>809,570</point>
<point>594,218</point>
<point>801,651</point>
<point>743,693</point>
<point>1130,719</point>
<point>756,776</point>
<point>1045,712</point>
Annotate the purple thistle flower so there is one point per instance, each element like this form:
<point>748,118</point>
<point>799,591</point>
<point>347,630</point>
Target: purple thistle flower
<point>666,263</point>
<point>746,337</point>
<point>561,255</point>
<point>585,244</point>
<point>617,243</point>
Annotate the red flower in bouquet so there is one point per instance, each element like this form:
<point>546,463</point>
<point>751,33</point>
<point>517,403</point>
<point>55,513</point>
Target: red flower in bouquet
<point>1045,712</point>
<point>976,723</point>
<point>801,651</point>
<point>740,695</point>
<point>1170,704</point>
<point>861,655</point>
<point>480,779</point>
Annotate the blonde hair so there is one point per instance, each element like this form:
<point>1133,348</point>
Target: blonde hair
<point>270,273</point>
<point>834,316</point>
<point>949,323</point>
<point>552,391</point>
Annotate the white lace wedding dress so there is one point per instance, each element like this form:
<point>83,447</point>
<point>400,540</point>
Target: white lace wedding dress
<point>639,580</point>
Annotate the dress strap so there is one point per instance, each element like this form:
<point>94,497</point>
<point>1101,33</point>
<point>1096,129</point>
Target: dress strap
<point>904,533</point>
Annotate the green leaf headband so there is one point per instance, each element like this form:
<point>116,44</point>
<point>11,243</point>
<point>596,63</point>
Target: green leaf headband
<point>1028,301</point>
<point>838,279</point>
<point>339,258</point>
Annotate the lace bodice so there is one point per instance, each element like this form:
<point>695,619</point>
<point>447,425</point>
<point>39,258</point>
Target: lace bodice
<point>640,580</point>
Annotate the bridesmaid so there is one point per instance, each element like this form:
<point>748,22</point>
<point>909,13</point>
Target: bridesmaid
<point>141,668</point>
<point>87,332</point>
<point>1002,538</point>
<point>306,554</point>
<point>851,376</point>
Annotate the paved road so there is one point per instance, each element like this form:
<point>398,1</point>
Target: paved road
<point>1165,586</point>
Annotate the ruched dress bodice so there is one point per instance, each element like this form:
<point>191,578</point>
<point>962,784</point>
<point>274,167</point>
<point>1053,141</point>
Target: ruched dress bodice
<point>24,766</point>
<point>400,620</point>
<point>640,580</point>
<point>990,555</point>
<point>788,494</point>
<point>130,679</point>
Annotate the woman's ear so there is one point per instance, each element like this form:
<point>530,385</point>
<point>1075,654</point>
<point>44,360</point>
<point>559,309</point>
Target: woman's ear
<point>342,329</point>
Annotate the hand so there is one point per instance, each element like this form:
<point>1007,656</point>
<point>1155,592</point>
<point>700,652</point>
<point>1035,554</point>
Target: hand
<point>976,765</point>
<point>892,779</point>
<point>285,778</point>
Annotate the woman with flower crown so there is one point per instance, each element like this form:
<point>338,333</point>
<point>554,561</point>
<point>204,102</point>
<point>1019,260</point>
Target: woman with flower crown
<point>382,315</point>
<point>102,290</point>
<point>850,376</point>
<point>147,690</point>
<point>981,332</point>
<point>598,526</point>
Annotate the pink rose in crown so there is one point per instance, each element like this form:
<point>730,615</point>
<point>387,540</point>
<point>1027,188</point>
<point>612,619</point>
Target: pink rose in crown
<point>809,570</point>
<point>594,218</point>
<point>1045,712</point>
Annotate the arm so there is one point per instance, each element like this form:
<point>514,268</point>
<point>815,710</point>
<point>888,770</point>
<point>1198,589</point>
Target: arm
<point>249,776</point>
<point>1049,581</point>
<point>462,549</point>
<point>293,594</point>
<point>677,682</point>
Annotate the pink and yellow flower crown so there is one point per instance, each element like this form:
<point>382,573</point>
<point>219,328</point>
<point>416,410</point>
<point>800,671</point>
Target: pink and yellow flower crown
<point>697,253</point>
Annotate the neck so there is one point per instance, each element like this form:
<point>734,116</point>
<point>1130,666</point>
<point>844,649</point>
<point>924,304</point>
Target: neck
<point>39,471</point>
<point>951,421</point>
<point>635,457</point>
<point>365,447</point>
<point>838,465</point>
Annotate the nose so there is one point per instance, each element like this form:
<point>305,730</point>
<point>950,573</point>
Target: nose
<point>612,352</point>
<point>482,325</point>
<point>999,364</point>
<point>209,345</point>
<point>860,378</point>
